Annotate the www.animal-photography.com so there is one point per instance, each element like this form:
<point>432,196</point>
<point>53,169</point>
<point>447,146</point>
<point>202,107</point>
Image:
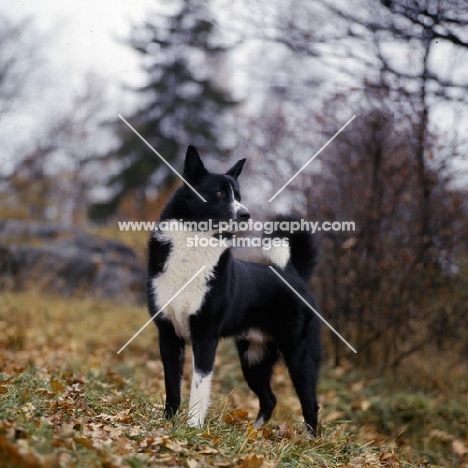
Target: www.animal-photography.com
<point>233,234</point>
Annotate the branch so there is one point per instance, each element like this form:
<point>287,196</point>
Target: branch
<point>417,16</point>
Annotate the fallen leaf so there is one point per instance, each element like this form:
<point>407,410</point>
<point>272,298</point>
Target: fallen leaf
<point>56,386</point>
<point>28,408</point>
<point>123,416</point>
<point>236,416</point>
<point>124,445</point>
<point>84,442</point>
<point>285,431</point>
<point>252,433</point>
<point>66,430</point>
<point>135,431</point>
<point>252,461</point>
<point>208,451</point>
<point>389,460</point>
<point>372,459</point>
<point>173,446</point>
<point>191,463</point>
<point>267,432</point>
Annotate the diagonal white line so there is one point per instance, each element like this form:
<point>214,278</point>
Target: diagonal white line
<point>162,159</point>
<point>312,158</point>
<point>313,310</point>
<point>161,309</point>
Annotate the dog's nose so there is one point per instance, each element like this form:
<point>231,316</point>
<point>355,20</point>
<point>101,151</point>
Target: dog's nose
<point>243,214</point>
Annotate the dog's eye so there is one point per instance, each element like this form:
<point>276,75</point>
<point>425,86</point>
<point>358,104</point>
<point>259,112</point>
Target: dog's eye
<point>220,193</point>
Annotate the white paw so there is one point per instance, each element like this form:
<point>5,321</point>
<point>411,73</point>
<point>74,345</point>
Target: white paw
<point>258,423</point>
<point>195,421</point>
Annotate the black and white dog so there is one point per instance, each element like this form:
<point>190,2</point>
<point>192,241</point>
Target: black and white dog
<point>230,298</point>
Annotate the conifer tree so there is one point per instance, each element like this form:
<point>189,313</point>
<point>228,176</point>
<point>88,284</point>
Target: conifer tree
<point>183,101</point>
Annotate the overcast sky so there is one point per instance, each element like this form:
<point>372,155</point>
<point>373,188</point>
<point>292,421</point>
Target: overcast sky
<point>79,38</point>
<point>83,33</point>
<point>83,37</point>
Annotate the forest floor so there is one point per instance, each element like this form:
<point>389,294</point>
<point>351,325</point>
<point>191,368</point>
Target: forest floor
<point>67,399</point>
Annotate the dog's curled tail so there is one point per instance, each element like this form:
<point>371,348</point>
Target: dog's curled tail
<point>301,249</point>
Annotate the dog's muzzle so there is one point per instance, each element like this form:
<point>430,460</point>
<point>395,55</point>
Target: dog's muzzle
<point>242,214</point>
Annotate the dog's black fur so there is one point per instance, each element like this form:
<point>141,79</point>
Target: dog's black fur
<point>239,296</point>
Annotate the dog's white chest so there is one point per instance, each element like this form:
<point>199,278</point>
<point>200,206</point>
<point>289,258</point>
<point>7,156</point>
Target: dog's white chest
<point>182,264</point>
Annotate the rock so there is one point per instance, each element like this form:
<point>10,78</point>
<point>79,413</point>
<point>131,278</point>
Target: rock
<point>15,229</point>
<point>67,262</point>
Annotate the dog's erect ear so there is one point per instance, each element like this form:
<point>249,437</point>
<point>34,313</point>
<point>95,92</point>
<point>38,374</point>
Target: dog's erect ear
<point>194,169</point>
<point>236,169</point>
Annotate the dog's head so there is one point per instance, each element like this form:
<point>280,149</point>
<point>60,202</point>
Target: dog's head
<point>221,192</point>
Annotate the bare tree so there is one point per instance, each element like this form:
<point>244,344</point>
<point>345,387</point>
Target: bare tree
<point>389,172</point>
<point>17,56</point>
<point>374,285</point>
<point>54,177</point>
<point>417,25</point>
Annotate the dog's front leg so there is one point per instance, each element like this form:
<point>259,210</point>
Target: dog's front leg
<point>172,355</point>
<point>204,352</point>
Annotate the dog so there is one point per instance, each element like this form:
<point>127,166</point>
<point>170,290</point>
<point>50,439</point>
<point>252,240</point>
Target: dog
<point>230,298</point>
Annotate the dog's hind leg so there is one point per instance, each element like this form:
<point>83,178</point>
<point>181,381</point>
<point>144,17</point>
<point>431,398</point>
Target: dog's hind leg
<point>302,357</point>
<point>258,370</point>
<point>172,350</point>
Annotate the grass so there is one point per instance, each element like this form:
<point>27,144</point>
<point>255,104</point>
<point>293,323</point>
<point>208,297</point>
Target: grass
<point>68,399</point>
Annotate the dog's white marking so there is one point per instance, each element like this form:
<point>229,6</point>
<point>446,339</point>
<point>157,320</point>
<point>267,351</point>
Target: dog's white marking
<point>258,423</point>
<point>279,255</point>
<point>235,205</point>
<point>257,340</point>
<point>199,397</point>
<point>182,263</point>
